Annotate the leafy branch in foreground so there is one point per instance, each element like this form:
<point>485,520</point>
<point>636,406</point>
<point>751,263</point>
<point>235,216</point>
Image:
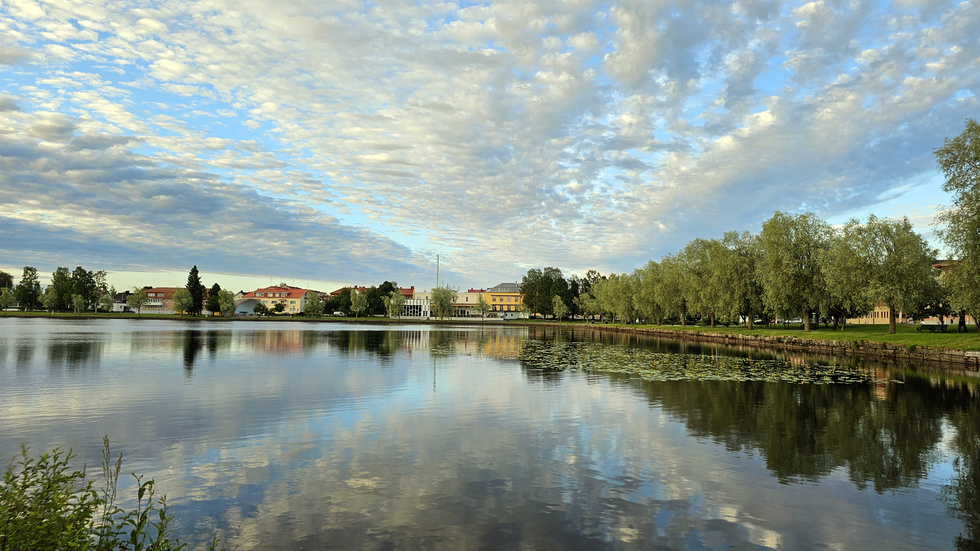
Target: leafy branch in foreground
<point>45,504</point>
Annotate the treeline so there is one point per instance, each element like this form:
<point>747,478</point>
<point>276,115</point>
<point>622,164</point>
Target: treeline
<point>798,266</point>
<point>78,290</point>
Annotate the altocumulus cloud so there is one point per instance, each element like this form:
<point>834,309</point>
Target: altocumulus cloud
<point>356,140</point>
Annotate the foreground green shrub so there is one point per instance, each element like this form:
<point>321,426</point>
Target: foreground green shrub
<point>45,504</point>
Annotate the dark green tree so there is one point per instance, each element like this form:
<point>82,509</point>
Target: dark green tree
<point>197,290</point>
<point>83,284</point>
<point>375,301</point>
<point>62,288</point>
<point>6,280</point>
<point>539,287</point>
<point>959,159</point>
<point>29,290</point>
<point>213,304</point>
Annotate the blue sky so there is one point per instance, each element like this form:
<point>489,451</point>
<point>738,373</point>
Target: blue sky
<point>330,143</point>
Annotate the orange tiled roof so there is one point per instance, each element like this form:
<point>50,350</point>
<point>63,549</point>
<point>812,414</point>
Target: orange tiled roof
<point>276,292</point>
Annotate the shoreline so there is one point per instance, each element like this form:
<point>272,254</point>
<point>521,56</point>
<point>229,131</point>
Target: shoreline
<point>888,352</point>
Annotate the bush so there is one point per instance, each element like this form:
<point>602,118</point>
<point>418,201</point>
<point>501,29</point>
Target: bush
<point>44,504</point>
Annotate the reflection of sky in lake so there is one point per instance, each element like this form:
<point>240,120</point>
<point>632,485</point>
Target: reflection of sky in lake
<point>303,435</point>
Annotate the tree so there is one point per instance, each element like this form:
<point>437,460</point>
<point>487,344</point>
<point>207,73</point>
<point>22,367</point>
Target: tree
<point>482,306</point>
<point>50,299</point>
<point>342,303</point>
<point>260,309</point>
<point>108,299</point>
<point>443,299</point>
<point>137,300</point>
<point>670,287</point>
<point>6,280</point>
<point>7,298</point>
<point>183,301</point>
<point>197,290</point>
<point>78,303</point>
<point>959,225</point>
<point>313,306</point>
<point>101,287</point>
<point>559,308</point>
<point>226,300</point>
<point>83,284</point>
<point>704,285</point>
<point>29,290</point>
<point>539,286</point>
<point>375,301</point>
<point>394,303</point>
<point>213,303</point>
<point>279,307</point>
<point>62,287</point>
<point>358,302</point>
<point>384,292</point>
<point>790,270</point>
<point>892,265</point>
<point>962,285</point>
<point>742,290</point>
<point>645,300</point>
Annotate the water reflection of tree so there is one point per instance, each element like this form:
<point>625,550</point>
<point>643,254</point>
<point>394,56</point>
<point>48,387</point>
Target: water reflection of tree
<point>193,341</point>
<point>962,493</point>
<point>75,354</point>
<point>806,431</point>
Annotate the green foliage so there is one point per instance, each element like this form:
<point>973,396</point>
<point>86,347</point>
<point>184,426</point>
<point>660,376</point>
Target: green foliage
<point>45,504</point>
<point>790,266</point>
<point>61,288</point>
<point>443,299</point>
<point>137,300</point>
<point>197,290</point>
<point>108,299</point>
<point>83,284</point>
<point>50,298</point>
<point>313,306</point>
<point>358,302</point>
<point>226,300</point>
<point>213,303</point>
<point>29,290</point>
<point>7,298</point>
<point>879,262</point>
<point>78,303</point>
<point>260,309</point>
<point>279,307</point>
<point>183,301</point>
<point>959,225</point>
<point>539,286</point>
<point>559,308</point>
<point>394,303</point>
<point>6,280</point>
<point>482,306</point>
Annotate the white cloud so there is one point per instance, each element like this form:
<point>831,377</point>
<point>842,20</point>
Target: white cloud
<point>537,133</point>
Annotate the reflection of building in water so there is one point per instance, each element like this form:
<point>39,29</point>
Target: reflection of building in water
<point>507,345</point>
<point>881,384</point>
<point>275,340</point>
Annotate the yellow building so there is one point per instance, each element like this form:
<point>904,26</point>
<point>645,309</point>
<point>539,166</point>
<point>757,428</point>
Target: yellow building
<point>505,298</point>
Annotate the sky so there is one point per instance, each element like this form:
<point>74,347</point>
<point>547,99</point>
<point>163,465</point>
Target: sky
<point>340,143</point>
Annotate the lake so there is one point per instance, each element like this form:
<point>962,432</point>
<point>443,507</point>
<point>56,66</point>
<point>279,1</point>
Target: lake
<point>279,435</point>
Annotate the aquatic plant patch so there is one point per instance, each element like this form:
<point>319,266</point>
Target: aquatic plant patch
<point>659,366</point>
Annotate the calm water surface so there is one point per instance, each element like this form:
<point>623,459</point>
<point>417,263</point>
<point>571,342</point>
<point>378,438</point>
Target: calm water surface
<point>326,436</point>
